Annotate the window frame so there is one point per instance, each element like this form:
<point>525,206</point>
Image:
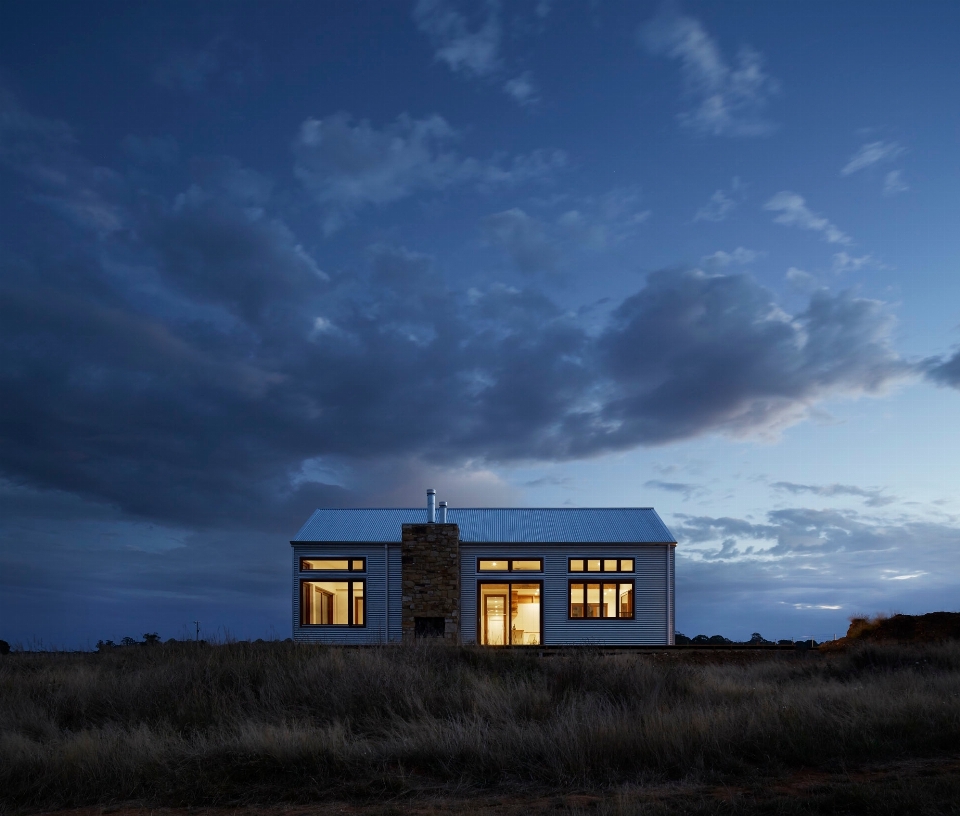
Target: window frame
<point>601,559</point>
<point>509,568</point>
<point>583,582</point>
<point>350,624</point>
<point>347,558</point>
<point>509,584</point>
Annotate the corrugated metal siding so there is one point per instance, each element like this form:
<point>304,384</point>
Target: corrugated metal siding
<point>376,592</point>
<point>673,594</point>
<point>508,525</point>
<point>650,626</point>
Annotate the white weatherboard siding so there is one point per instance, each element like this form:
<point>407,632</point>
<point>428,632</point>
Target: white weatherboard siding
<point>376,588</point>
<point>653,594</point>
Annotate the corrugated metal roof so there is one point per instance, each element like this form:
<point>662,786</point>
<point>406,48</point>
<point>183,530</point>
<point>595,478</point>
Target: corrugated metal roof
<point>500,525</point>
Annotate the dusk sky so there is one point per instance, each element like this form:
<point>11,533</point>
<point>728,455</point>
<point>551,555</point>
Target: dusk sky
<point>258,258</point>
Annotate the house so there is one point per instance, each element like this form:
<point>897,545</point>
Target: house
<point>492,576</point>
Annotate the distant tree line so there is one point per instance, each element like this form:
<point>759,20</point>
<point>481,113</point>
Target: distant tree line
<point>756,639</point>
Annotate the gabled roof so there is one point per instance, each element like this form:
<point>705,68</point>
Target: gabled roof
<point>497,525</point>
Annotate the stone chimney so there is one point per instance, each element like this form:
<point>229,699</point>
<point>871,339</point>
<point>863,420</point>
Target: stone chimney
<point>430,558</point>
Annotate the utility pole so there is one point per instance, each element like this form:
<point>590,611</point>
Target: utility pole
<point>197,624</point>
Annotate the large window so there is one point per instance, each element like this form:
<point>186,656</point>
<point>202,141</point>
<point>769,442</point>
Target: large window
<point>601,599</point>
<point>510,565</point>
<point>509,614</point>
<point>333,564</point>
<point>601,565</point>
<point>332,603</point>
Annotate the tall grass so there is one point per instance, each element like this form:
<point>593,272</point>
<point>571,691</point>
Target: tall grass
<point>241,723</point>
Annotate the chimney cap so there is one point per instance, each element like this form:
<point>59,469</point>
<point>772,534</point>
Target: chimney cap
<point>431,490</point>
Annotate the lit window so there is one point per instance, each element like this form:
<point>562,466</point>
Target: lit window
<point>601,600</point>
<point>332,603</point>
<point>601,565</point>
<point>333,564</point>
<point>509,614</point>
<point>510,565</point>
<point>527,566</point>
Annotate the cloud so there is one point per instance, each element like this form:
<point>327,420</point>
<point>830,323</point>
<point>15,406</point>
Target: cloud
<point>522,89</point>
<point>740,256</point>
<point>225,63</point>
<point>800,280</point>
<point>893,183</point>
<point>794,212</point>
<point>805,536</point>
<point>153,150</point>
<point>874,497</point>
<point>717,208</point>
<point>185,368</point>
<point>539,243</point>
<point>803,571</point>
<point>871,154</point>
<point>41,153</point>
<point>944,372</point>
<point>523,238</point>
<point>728,100</point>
<point>687,490</point>
<point>600,221</point>
<point>843,262</point>
<point>347,165</point>
<point>473,50</point>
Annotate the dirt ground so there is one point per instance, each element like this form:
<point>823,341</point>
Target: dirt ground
<point>914,786</point>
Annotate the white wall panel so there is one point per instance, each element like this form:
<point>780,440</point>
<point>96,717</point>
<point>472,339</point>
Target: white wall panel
<point>376,590</point>
<point>652,624</point>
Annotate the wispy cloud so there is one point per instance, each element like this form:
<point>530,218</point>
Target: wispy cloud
<point>225,63</point>
<point>875,497</point>
<point>728,99</point>
<point>523,89</point>
<point>870,154</point>
<point>468,39</point>
<point>740,256</point>
<point>793,211</point>
<point>717,208</point>
<point>844,262</point>
<point>473,50</point>
<point>685,489</point>
<point>894,183</point>
<point>347,165</point>
<point>523,238</point>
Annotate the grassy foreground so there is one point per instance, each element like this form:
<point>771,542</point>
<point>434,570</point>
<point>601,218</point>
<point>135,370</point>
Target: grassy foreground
<point>263,724</point>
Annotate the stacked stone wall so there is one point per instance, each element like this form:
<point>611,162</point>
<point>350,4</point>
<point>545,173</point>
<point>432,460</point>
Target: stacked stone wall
<point>430,559</point>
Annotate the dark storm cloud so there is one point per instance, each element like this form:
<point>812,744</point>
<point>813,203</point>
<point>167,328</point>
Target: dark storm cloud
<point>184,364</point>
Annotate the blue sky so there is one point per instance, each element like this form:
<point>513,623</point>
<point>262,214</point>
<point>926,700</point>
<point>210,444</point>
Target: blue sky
<point>260,258</point>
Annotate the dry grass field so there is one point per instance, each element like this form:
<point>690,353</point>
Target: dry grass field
<point>279,729</point>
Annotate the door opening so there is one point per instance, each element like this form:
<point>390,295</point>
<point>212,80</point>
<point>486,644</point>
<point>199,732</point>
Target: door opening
<point>510,614</point>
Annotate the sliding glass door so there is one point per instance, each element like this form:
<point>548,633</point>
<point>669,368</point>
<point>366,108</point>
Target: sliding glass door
<point>510,614</point>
